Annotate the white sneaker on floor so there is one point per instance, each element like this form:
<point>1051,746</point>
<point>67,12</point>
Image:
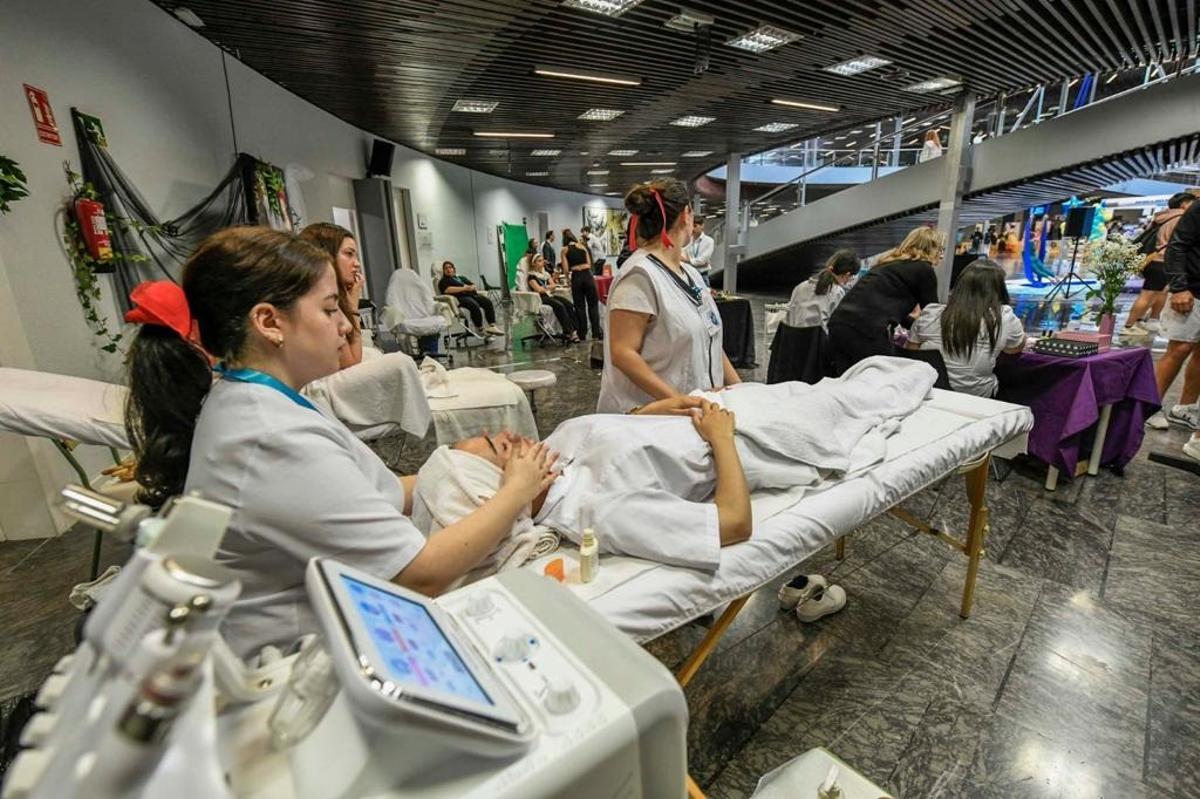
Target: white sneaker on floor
<point>1185,415</point>
<point>492,330</point>
<point>830,600</point>
<point>1134,331</point>
<point>1191,448</point>
<point>1158,422</point>
<point>790,596</point>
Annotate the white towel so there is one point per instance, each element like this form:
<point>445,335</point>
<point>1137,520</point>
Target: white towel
<point>435,378</point>
<point>378,391</point>
<point>453,484</point>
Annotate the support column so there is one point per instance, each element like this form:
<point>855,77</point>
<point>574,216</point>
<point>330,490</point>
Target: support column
<point>956,172</point>
<point>896,140</point>
<point>1063,94</point>
<point>733,213</point>
<point>998,128</point>
<point>875,151</point>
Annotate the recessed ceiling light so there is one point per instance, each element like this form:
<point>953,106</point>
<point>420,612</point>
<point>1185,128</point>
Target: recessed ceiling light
<point>599,115</point>
<point>776,127</point>
<point>609,8</point>
<point>692,121</point>
<point>575,74</point>
<point>809,106</point>
<point>666,171</point>
<point>536,174</point>
<point>856,130</point>
<point>647,163</point>
<point>475,106</point>
<point>583,152</point>
<point>853,66</point>
<point>450,151</point>
<point>188,17</point>
<point>597,171</point>
<point>622,153</point>
<point>507,134</point>
<point>762,39</point>
<point>933,85</point>
<point>545,153</point>
<point>696,153</point>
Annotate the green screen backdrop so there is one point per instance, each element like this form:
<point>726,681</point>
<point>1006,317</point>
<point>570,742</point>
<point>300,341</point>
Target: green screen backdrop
<point>515,241</point>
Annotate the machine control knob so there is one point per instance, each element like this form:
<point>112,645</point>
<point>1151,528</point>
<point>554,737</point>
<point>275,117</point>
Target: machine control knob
<point>513,647</point>
<point>480,605</point>
<point>38,730</point>
<point>561,697</point>
<point>51,691</point>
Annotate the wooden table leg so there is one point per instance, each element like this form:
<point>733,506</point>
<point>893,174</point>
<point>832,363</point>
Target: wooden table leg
<point>841,547</point>
<point>693,789</point>
<point>706,646</point>
<point>977,480</point>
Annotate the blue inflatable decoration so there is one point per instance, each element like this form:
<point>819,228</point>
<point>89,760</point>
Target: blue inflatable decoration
<point>1035,266</point>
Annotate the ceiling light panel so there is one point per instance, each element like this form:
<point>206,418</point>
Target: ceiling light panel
<point>687,19</point>
<point>806,105</point>
<point>510,134</point>
<point>536,174</point>
<point>776,127</point>
<point>696,153</point>
<point>762,39</point>
<point>597,171</point>
<point>450,151</point>
<point>545,153</point>
<point>597,185</point>
<point>666,171</point>
<point>475,106</point>
<point>609,8</point>
<point>647,163</point>
<point>933,85</point>
<point>854,66</point>
<point>596,77</point>
<point>600,115</point>
<point>622,153</point>
<point>692,121</point>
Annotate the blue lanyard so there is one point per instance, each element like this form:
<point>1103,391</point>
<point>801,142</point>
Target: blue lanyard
<point>264,379</point>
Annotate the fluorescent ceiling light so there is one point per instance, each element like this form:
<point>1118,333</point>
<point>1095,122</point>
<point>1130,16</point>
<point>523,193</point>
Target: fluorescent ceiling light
<point>475,106</point>
<point>910,119</point>
<point>697,153</point>
<point>450,151</point>
<point>597,185</point>
<point>692,121</point>
<point>599,115</point>
<point>612,194</point>
<point>622,153</point>
<point>575,74</point>
<point>536,174</point>
<point>687,20</point>
<point>609,8</point>
<point>666,171</point>
<point>508,134</point>
<point>1112,78</point>
<point>597,171</point>
<point>809,106</point>
<point>647,163</point>
<point>776,127</point>
<point>188,17</point>
<point>856,130</point>
<point>933,85</point>
<point>544,153</point>
<point>762,39</point>
<point>853,66</point>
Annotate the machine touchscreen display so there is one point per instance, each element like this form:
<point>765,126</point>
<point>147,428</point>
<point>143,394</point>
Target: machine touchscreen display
<point>414,649</point>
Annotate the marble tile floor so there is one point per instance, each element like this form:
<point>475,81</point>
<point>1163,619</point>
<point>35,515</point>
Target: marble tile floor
<point>1078,674</point>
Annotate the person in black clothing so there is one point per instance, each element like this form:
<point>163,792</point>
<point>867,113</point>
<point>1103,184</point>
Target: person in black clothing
<point>463,290</point>
<point>1180,323</point>
<point>542,283</point>
<point>583,285</point>
<point>549,252</point>
<point>890,294</point>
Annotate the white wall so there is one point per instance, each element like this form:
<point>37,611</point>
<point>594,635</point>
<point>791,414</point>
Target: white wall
<point>160,90</point>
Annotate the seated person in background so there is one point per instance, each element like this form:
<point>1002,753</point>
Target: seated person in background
<point>813,301</point>
<point>342,249</point>
<point>541,282</point>
<point>971,329</point>
<point>463,290</point>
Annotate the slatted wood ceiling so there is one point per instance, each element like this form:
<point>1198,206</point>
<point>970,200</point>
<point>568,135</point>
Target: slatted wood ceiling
<point>395,67</point>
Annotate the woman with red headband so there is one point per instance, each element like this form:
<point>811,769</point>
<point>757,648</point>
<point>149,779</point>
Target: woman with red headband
<point>664,332</point>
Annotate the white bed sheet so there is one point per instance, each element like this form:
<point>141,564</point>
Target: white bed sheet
<point>57,406</point>
<point>646,600</point>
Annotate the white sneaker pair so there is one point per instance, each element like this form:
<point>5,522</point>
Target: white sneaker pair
<point>1191,448</point>
<point>491,330</point>
<point>1134,331</point>
<point>1182,415</point>
<point>812,600</point>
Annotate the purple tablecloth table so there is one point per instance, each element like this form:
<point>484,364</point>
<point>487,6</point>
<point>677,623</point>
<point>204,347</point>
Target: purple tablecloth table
<point>1112,391</point>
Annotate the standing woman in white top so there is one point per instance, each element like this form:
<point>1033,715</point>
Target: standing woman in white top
<point>664,331</point>
<point>813,301</point>
<point>932,148</point>
<point>264,305</point>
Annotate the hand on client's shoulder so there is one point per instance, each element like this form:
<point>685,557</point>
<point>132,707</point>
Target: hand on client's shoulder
<point>671,406</point>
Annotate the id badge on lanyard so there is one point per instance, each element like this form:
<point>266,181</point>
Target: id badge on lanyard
<point>710,315</point>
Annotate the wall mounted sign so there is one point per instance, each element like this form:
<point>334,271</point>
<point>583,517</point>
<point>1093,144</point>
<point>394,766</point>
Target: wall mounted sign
<point>43,116</point>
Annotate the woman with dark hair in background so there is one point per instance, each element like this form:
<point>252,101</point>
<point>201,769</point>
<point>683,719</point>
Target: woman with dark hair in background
<point>265,305</point>
<point>578,260</point>
<point>664,329</point>
<point>541,282</point>
<point>971,329</point>
<point>814,300</point>
<point>342,249</point>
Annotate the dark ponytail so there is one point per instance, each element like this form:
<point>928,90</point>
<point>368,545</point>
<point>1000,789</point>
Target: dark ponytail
<point>842,262</point>
<point>230,273</point>
<point>642,203</point>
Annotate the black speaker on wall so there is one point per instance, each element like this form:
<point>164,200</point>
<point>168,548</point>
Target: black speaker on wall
<point>1079,221</point>
<point>380,165</point>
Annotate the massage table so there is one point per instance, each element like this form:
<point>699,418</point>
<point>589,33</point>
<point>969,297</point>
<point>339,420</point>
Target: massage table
<point>950,433</point>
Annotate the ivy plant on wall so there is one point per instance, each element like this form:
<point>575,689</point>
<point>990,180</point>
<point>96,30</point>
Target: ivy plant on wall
<point>12,183</point>
<point>83,266</point>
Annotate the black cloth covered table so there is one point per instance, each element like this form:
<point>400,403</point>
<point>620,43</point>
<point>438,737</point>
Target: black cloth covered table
<point>738,323</point>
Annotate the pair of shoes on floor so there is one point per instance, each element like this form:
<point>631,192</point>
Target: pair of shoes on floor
<point>1134,331</point>
<point>492,330</point>
<point>1191,448</point>
<point>1183,415</point>
<point>812,597</point>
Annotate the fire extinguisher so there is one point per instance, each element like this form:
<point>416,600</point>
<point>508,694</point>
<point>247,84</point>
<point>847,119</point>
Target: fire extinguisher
<point>94,228</point>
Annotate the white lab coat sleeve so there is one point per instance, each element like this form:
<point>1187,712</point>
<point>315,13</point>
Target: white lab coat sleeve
<point>311,498</point>
<point>704,253</point>
<point>659,526</point>
<point>1012,332</point>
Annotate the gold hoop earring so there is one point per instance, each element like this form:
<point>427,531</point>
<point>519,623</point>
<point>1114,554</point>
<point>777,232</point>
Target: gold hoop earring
<point>279,343</point>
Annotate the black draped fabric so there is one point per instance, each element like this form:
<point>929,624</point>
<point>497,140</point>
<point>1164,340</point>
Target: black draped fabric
<point>799,353</point>
<point>164,243</point>
<point>738,323</point>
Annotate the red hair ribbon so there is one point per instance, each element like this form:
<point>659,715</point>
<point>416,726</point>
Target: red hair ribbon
<point>161,302</point>
<point>666,240</point>
<point>633,224</point>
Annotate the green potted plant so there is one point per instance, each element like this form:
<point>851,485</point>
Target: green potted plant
<point>12,183</point>
<point>1111,263</point>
